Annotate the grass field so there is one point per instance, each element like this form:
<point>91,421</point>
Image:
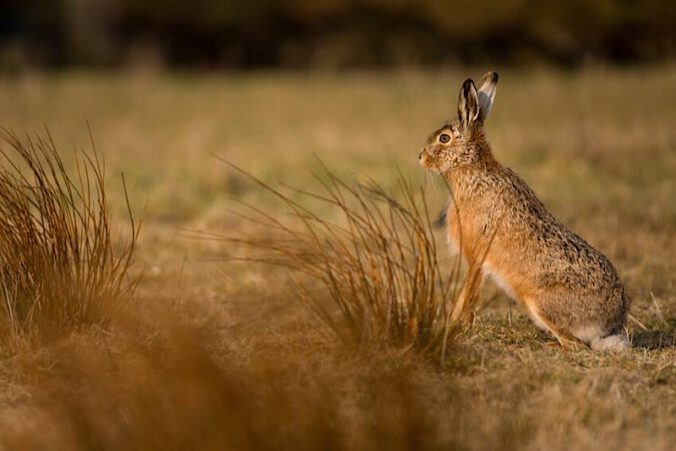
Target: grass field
<point>220,355</point>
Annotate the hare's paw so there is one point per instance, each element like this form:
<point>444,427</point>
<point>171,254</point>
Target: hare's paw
<point>569,342</point>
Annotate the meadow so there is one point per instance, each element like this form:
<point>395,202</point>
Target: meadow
<point>211,353</point>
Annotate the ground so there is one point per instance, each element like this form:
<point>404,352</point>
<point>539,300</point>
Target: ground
<point>597,145</point>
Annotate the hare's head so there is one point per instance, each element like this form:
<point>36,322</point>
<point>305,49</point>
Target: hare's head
<point>461,141</point>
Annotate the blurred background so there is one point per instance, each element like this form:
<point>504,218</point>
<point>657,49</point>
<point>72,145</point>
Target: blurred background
<point>585,113</point>
<point>246,34</point>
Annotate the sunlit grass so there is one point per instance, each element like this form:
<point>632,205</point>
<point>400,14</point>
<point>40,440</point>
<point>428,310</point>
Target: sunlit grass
<point>60,270</point>
<point>595,145</point>
<point>371,275</point>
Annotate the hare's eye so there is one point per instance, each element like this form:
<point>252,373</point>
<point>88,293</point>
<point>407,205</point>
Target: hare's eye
<point>444,138</point>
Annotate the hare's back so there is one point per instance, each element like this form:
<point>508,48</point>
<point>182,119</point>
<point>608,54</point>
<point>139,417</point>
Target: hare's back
<point>553,249</point>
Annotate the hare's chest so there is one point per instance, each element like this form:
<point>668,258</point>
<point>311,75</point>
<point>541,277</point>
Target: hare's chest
<point>465,231</point>
<point>453,244</point>
<point>453,234</point>
<point>469,242</point>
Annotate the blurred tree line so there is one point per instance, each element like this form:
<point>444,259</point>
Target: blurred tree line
<point>333,33</point>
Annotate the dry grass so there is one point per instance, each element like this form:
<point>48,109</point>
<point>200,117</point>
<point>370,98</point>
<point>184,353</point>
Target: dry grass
<point>376,260</point>
<point>216,355</point>
<point>60,272</point>
<point>155,384</point>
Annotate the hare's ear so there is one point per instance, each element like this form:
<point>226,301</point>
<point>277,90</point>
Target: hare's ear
<point>468,104</point>
<point>486,93</point>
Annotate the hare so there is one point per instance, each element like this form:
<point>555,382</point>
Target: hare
<point>495,220</point>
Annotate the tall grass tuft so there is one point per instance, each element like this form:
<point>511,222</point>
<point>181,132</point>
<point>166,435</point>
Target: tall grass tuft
<point>60,271</point>
<point>372,275</point>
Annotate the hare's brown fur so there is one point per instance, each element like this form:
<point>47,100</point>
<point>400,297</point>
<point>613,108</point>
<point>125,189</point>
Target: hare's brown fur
<point>567,286</point>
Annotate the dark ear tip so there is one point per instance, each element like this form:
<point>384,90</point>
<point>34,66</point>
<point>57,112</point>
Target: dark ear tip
<point>467,85</point>
<point>490,76</point>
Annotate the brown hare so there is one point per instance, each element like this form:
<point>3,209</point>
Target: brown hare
<point>494,219</point>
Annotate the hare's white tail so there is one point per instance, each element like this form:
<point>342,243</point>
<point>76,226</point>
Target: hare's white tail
<point>616,342</point>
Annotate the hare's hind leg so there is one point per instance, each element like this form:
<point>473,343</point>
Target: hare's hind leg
<point>568,340</point>
<point>564,337</point>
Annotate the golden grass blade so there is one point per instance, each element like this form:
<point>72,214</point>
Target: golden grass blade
<point>59,269</point>
<point>374,260</point>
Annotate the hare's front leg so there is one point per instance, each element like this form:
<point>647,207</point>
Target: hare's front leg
<point>470,290</point>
